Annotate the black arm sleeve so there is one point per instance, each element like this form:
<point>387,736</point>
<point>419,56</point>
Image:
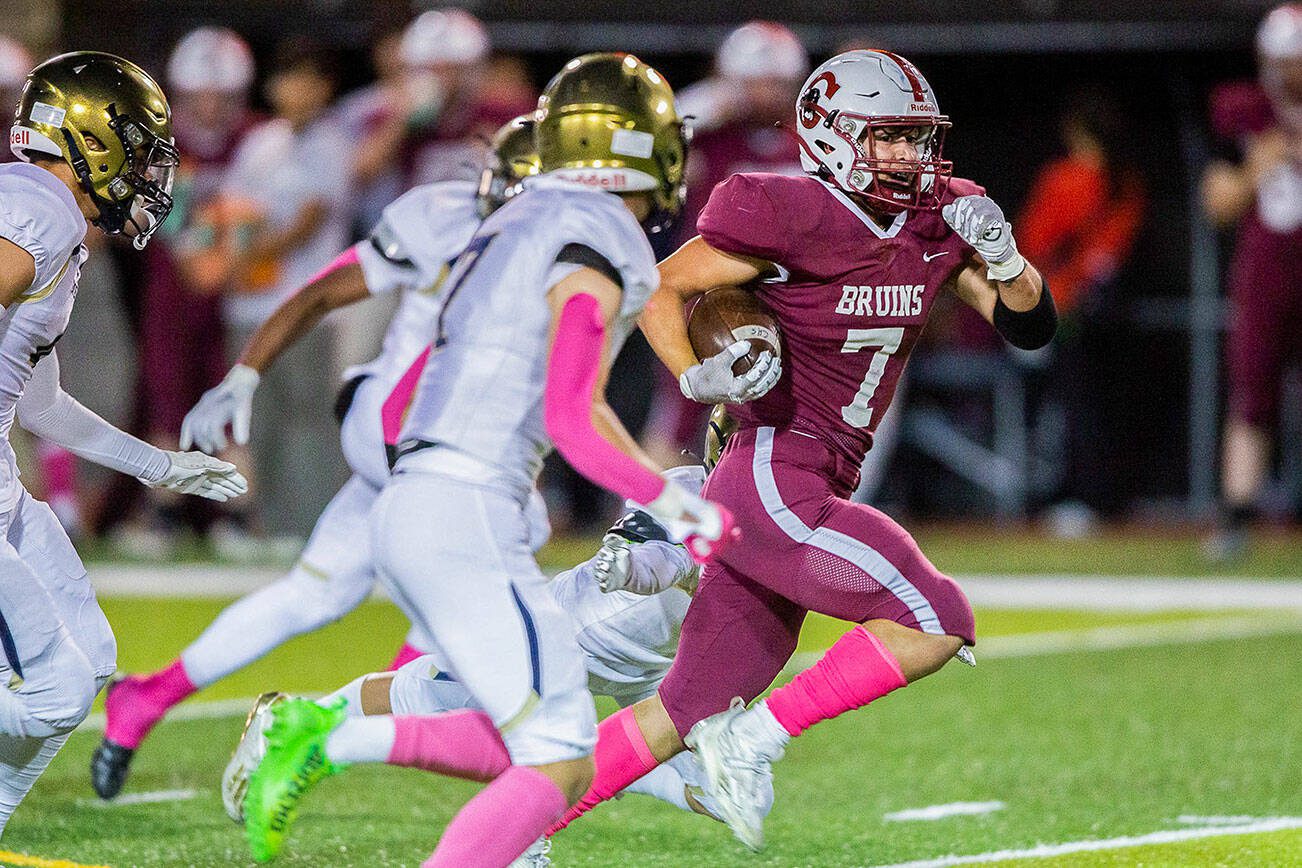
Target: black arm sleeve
<point>1028,329</point>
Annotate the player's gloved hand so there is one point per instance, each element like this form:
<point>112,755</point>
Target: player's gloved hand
<point>230,402</point>
<point>713,382</point>
<point>705,528</point>
<point>203,475</point>
<point>980,222</point>
<point>611,565</point>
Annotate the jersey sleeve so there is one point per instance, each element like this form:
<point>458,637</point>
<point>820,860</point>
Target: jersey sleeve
<point>385,255</point>
<point>38,221</point>
<point>743,218</point>
<point>608,229</point>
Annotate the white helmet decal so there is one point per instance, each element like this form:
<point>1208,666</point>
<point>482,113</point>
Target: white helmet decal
<point>849,96</point>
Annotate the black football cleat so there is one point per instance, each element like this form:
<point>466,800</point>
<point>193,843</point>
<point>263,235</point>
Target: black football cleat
<point>109,766</point>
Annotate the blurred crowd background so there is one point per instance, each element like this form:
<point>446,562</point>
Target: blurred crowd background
<point>1150,156</point>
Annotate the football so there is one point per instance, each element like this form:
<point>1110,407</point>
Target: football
<point>727,314</point>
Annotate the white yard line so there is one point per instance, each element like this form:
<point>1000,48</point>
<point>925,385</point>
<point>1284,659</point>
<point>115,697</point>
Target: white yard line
<point>146,798</point>
<point>1043,851</point>
<point>1192,820</point>
<point>940,812</point>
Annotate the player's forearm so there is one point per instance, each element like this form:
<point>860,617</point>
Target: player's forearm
<point>67,423</point>
<point>1022,292</point>
<point>338,285</point>
<point>664,323</point>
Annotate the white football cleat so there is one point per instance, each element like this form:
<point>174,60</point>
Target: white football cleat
<point>700,791</point>
<point>738,772</point>
<point>248,753</point>
<point>536,856</point>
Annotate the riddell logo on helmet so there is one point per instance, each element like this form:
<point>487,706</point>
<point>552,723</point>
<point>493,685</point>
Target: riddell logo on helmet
<point>927,107</point>
<point>613,181</point>
<point>20,138</point>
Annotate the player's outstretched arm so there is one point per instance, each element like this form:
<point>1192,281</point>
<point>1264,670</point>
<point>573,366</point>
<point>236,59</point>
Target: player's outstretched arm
<point>51,413</point>
<point>587,432</point>
<point>230,402</point>
<point>693,269</point>
<point>998,282</point>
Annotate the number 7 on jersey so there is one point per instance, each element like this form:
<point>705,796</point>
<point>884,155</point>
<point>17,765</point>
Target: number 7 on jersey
<point>887,340</point>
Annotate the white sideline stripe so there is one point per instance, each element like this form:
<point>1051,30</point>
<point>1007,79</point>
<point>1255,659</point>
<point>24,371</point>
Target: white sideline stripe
<point>1187,632</point>
<point>1171,836</point>
<point>206,710</point>
<point>147,798</point>
<point>939,812</point>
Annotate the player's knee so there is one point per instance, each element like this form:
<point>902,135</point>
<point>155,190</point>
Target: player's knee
<point>317,600</point>
<point>60,705</point>
<point>572,777</point>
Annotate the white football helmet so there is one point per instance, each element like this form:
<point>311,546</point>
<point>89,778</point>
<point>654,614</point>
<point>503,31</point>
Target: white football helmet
<point>444,36</point>
<point>841,104</point>
<point>762,49</point>
<point>210,58</point>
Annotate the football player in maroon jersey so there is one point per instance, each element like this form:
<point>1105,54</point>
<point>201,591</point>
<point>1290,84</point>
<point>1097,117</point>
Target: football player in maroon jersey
<point>852,254</point>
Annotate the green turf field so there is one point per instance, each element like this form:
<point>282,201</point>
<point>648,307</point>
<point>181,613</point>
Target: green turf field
<point>1078,746</point>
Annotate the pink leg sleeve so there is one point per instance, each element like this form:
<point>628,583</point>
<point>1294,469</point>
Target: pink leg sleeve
<point>501,822</point>
<point>572,373</point>
<point>462,744</point>
<point>857,669</point>
<point>622,756</point>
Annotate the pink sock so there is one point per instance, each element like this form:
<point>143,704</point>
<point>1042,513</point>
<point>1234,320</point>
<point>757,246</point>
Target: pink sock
<point>405,655</point>
<point>501,822</point>
<point>137,702</point>
<point>857,669</point>
<point>462,744</point>
<point>622,756</point>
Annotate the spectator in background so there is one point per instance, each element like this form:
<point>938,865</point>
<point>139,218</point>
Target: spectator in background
<point>436,122</point>
<point>1262,193</point>
<point>286,201</point>
<point>737,117</point>
<point>1079,225</point>
<point>358,112</point>
<point>181,274</point>
<point>15,63</point>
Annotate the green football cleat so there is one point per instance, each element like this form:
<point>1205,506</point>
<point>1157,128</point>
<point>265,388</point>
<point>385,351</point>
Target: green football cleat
<point>295,761</point>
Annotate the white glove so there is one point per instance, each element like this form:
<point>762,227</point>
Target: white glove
<point>705,528</point>
<point>196,473</point>
<point>713,382</point>
<point>980,222</point>
<point>230,402</point>
<point>610,566</point>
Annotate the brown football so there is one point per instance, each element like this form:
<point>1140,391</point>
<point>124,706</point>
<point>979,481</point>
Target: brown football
<point>727,314</point>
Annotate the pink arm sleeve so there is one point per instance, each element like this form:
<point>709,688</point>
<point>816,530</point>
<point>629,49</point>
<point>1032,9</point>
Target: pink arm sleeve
<point>567,406</point>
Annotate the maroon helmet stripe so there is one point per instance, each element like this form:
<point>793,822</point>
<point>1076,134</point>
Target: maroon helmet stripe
<point>910,72</point>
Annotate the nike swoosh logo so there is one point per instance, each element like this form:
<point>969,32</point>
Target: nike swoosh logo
<point>927,257</point>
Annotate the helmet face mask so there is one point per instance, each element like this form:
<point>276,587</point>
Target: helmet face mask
<point>852,111</point>
<point>512,157</point>
<point>720,427</point>
<point>109,121</point>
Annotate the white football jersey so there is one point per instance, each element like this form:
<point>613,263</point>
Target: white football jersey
<point>480,393</point>
<point>629,640</point>
<point>410,251</point>
<point>40,215</point>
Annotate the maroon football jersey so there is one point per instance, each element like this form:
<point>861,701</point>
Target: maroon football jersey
<point>851,300</point>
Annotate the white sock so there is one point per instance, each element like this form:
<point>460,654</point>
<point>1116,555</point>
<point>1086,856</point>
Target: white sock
<point>22,760</point>
<point>761,727</point>
<point>664,783</point>
<point>352,691</point>
<point>362,740</point>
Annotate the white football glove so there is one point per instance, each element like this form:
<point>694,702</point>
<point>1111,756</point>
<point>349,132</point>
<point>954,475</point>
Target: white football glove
<point>980,222</point>
<point>610,566</point>
<point>705,528</point>
<point>230,402</point>
<point>713,382</point>
<point>203,475</point>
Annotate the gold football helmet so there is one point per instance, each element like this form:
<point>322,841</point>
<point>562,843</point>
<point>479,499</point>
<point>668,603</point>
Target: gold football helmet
<point>609,120</point>
<point>107,119</point>
<point>721,426</point>
<point>512,157</point>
